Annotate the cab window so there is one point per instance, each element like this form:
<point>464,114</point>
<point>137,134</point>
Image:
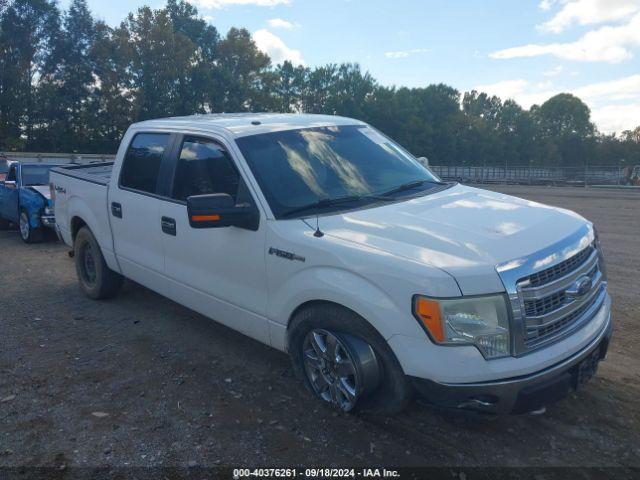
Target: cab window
<point>141,166</point>
<point>204,167</point>
<point>11,176</point>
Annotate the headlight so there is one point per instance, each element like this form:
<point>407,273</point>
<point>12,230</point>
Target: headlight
<point>479,321</point>
<point>48,211</point>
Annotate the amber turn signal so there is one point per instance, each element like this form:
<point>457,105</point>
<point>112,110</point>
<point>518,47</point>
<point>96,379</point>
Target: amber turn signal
<point>428,312</point>
<point>205,218</point>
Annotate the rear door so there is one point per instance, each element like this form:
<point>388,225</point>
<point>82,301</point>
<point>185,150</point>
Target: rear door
<point>133,209</point>
<point>219,272</point>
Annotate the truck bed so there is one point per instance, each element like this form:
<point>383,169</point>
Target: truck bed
<point>99,173</point>
<point>82,191</point>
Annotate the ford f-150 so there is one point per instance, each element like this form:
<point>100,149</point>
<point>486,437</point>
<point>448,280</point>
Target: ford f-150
<point>322,237</point>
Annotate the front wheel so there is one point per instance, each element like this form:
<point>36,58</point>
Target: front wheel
<point>97,280</point>
<point>28,234</point>
<point>345,362</point>
<point>340,368</point>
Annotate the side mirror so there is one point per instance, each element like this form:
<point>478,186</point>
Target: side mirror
<point>10,184</point>
<point>424,161</point>
<point>218,210</point>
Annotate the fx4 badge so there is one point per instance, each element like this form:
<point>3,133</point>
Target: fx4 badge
<point>287,255</point>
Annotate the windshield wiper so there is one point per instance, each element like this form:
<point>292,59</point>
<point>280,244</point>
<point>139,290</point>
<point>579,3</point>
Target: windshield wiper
<point>330,202</point>
<point>410,186</point>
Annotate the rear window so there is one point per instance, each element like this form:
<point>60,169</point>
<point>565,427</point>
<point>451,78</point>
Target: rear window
<point>33,175</point>
<point>141,166</point>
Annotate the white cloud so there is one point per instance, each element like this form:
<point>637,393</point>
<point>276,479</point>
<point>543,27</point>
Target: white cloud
<point>606,44</point>
<point>208,18</point>
<point>280,23</point>
<point>621,89</point>
<point>587,12</point>
<point>522,91</point>
<point>617,118</point>
<point>226,3</point>
<point>405,53</point>
<point>273,46</point>
<point>546,4</point>
<point>603,98</point>
<point>554,71</point>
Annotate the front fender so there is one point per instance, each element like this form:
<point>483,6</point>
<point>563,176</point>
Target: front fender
<point>33,203</point>
<point>347,289</point>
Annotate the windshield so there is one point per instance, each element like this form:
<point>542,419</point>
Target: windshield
<point>35,175</point>
<point>297,168</point>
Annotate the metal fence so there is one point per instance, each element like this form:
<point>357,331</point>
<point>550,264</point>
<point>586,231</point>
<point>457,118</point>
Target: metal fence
<point>28,157</point>
<point>590,175</point>
<point>582,176</point>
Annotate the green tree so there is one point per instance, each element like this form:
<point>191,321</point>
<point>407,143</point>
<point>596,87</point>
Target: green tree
<point>113,100</point>
<point>64,93</point>
<point>564,121</point>
<point>242,67</point>
<point>28,31</point>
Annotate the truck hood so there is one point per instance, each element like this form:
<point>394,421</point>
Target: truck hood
<point>464,231</point>
<point>42,190</point>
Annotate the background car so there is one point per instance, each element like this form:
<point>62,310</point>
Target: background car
<point>25,200</point>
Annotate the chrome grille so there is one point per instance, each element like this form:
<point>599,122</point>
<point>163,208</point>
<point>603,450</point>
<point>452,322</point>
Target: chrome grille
<point>546,331</point>
<point>561,269</point>
<point>543,306</point>
<point>549,310</point>
<point>537,308</point>
<point>550,303</point>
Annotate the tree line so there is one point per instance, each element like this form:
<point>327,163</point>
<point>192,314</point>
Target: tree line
<point>71,83</point>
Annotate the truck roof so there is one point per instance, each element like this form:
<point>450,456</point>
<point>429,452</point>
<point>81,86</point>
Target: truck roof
<point>245,124</point>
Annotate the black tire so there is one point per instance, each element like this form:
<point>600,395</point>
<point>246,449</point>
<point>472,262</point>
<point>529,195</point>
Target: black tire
<point>26,232</point>
<point>96,279</point>
<point>393,391</point>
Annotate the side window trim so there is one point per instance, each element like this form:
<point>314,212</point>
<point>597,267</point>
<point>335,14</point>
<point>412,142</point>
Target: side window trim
<point>168,167</point>
<point>163,160</point>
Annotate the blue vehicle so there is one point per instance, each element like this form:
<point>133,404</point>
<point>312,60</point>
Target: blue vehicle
<point>25,200</point>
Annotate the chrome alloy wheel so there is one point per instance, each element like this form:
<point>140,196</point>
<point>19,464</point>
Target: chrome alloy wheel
<point>340,367</point>
<point>24,226</point>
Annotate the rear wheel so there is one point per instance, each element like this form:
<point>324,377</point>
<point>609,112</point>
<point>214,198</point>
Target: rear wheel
<point>345,362</point>
<point>97,280</point>
<point>28,234</point>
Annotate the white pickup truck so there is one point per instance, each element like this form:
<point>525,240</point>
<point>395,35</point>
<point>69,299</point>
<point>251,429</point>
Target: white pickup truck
<point>323,238</point>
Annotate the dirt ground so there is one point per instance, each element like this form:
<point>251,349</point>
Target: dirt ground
<point>142,381</point>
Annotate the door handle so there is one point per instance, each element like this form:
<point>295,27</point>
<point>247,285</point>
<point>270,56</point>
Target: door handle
<point>168,226</point>
<point>116,209</point>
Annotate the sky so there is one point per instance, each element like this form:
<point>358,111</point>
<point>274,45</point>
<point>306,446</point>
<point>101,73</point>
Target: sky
<point>528,50</point>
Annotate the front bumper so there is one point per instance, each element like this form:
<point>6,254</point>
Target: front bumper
<point>48,221</point>
<point>525,393</point>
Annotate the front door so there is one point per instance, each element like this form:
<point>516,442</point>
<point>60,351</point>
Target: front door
<point>9,197</point>
<point>133,210</point>
<point>219,272</point>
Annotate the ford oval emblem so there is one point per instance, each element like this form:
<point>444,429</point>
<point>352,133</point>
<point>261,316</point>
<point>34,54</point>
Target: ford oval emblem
<point>580,287</point>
